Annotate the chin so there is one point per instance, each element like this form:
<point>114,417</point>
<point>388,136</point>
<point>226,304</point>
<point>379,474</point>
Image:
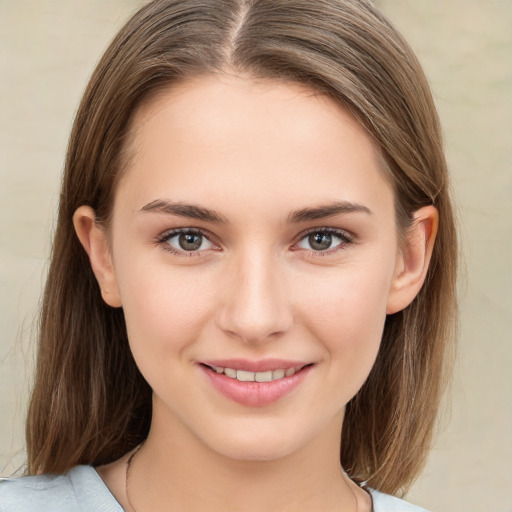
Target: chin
<point>261,451</point>
<point>258,444</point>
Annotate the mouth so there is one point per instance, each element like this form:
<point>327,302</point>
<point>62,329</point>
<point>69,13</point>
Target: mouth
<point>261,376</point>
<point>255,384</point>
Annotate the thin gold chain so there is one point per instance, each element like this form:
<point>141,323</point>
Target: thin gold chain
<point>127,476</point>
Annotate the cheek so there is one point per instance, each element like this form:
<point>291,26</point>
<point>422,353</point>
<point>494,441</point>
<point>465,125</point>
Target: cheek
<point>164,309</point>
<point>347,318</point>
<point>348,301</point>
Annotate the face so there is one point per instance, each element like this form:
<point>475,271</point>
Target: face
<point>253,248</point>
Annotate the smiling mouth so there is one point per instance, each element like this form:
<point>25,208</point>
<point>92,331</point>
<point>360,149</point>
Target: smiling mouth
<point>248,376</point>
<point>255,383</point>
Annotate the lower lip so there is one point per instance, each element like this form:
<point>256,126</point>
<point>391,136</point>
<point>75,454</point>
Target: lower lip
<point>255,394</point>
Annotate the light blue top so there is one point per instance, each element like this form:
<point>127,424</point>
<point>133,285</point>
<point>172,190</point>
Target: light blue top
<point>82,490</point>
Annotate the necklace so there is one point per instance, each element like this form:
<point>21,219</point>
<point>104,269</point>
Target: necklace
<point>127,475</point>
<point>132,455</point>
<point>349,483</point>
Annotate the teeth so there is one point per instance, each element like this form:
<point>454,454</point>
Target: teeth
<point>289,372</point>
<point>229,372</point>
<point>277,374</point>
<point>263,376</point>
<point>246,376</point>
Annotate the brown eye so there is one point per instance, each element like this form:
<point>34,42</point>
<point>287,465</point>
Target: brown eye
<point>320,241</point>
<point>324,240</point>
<point>186,241</point>
<point>190,241</point>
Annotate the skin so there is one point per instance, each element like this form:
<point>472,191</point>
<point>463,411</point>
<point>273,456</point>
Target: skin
<point>254,152</point>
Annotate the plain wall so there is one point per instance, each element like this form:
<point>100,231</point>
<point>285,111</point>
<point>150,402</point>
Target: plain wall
<point>47,51</point>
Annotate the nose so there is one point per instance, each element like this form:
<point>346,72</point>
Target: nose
<point>255,306</point>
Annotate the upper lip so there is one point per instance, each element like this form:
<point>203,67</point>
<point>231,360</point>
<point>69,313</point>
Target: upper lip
<point>263,365</point>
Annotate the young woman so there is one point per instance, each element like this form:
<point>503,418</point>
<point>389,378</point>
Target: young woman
<point>251,299</point>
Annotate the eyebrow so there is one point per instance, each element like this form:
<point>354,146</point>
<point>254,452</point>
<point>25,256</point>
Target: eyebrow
<point>185,210</point>
<point>302,215</point>
<point>328,210</point>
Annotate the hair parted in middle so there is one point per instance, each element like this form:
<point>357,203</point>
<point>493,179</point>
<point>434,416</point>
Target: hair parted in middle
<point>90,404</point>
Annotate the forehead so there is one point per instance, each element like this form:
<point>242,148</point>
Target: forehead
<point>219,136</point>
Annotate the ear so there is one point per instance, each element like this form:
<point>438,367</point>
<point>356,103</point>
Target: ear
<point>413,260</point>
<point>94,240</point>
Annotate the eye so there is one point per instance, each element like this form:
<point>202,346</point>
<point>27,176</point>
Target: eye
<point>185,241</point>
<point>324,240</point>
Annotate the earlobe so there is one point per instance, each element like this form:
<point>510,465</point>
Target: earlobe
<point>94,240</point>
<point>413,260</point>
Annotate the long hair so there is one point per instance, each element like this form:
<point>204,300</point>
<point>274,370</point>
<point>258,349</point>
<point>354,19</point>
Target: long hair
<point>90,403</point>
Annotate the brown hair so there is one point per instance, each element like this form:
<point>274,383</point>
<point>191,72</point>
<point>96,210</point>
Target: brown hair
<point>90,403</point>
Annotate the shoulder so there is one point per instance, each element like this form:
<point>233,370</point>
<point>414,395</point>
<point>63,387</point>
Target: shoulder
<point>42,493</point>
<point>79,490</point>
<point>386,503</point>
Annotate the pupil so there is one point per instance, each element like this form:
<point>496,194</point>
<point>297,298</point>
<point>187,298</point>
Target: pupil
<point>320,241</point>
<point>190,241</point>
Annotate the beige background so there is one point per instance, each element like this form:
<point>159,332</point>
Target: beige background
<point>47,50</point>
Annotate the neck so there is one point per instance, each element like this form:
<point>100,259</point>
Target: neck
<point>175,471</point>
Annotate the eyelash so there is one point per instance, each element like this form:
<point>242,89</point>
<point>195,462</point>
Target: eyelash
<point>165,237</point>
<point>344,237</point>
